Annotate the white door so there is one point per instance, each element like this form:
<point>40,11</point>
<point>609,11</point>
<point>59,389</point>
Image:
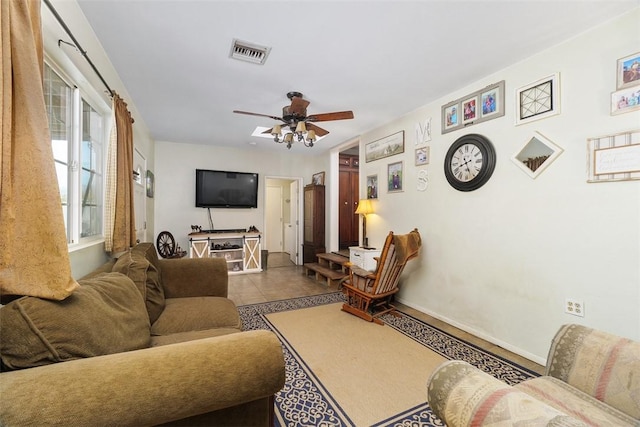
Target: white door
<point>274,232</point>
<point>140,195</point>
<point>294,222</point>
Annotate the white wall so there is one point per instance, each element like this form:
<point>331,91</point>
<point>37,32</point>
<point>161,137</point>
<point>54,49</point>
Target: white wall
<point>175,184</point>
<point>500,261</point>
<point>85,258</point>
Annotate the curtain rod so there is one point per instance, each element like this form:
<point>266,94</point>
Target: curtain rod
<point>77,45</point>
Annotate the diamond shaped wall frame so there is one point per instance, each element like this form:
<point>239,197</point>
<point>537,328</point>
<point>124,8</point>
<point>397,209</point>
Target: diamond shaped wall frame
<point>536,155</point>
<point>538,100</point>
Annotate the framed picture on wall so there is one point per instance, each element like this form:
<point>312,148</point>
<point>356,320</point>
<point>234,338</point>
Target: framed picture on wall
<point>628,71</point>
<point>625,100</point>
<point>538,100</point>
<point>450,117</point>
<point>469,110</point>
<point>372,186</point>
<point>477,107</point>
<point>394,177</point>
<point>422,156</point>
<point>151,184</point>
<point>385,147</point>
<point>318,178</point>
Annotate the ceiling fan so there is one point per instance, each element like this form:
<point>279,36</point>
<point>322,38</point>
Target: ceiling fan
<point>300,124</point>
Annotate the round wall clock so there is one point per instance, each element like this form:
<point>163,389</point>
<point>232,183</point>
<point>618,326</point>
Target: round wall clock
<point>469,162</point>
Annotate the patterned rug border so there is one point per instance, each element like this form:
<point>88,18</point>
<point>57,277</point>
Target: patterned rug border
<point>304,401</point>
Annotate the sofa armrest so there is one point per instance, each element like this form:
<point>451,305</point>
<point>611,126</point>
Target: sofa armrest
<point>146,387</point>
<point>194,277</point>
<point>462,395</point>
<point>600,364</point>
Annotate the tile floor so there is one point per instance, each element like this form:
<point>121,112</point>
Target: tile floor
<point>282,280</point>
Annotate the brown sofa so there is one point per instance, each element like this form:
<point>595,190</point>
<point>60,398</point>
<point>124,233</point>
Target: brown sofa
<point>592,378</point>
<point>106,356</point>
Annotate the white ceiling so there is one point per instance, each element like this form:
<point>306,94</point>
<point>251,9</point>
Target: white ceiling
<point>381,59</point>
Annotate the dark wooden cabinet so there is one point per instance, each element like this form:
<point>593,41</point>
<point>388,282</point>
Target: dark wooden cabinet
<point>314,208</point>
<point>348,189</point>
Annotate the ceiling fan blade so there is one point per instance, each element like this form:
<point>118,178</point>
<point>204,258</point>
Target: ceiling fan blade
<point>259,115</point>
<point>325,117</point>
<point>298,106</point>
<point>318,130</point>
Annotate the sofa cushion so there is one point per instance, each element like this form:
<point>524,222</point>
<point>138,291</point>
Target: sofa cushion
<point>196,314</point>
<point>179,337</point>
<point>147,250</point>
<point>146,276</point>
<point>105,315</point>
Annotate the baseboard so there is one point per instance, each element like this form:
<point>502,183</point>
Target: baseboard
<point>477,333</point>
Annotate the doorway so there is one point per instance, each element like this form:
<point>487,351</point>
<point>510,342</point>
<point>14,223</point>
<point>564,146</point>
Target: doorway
<point>283,210</point>
<point>348,196</point>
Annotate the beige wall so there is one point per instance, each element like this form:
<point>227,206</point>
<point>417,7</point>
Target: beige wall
<point>500,261</point>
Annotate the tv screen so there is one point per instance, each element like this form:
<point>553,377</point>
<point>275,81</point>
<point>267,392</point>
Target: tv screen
<point>224,189</point>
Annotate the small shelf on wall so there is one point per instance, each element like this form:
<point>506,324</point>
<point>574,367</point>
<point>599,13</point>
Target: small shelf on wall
<point>537,153</point>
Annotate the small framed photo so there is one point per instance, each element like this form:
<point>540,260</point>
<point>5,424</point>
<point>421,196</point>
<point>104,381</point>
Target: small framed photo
<point>490,102</point>
<point>625,100</point>
<point>151,184</point>
<point>395,176</point>
<point>450,117</point>
<point>628,71</point>
<point>372,186</point>
<point>538,100</point>
<point>318,178</point>
<point>469,110</point>
<point>422,156</point>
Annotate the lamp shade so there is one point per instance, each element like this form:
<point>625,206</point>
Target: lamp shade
<point>364,207</point>
<point>301,127</point>
<point>276,130</point>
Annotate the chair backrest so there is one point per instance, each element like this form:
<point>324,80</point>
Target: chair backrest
<point>389,266</point>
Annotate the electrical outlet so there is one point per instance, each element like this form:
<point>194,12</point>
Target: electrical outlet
<point>574,307</point>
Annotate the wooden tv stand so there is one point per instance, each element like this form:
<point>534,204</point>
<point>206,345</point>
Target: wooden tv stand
<point>241,249</point>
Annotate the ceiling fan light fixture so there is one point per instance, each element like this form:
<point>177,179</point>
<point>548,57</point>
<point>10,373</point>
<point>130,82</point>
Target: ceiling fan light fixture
<point>295,118</point>
<point>311,136</point>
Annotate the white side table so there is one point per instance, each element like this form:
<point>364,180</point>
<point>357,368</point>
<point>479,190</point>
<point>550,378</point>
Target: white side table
<point>363,258</point>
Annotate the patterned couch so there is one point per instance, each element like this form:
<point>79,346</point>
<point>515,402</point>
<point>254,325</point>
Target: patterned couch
<point>592,378</point>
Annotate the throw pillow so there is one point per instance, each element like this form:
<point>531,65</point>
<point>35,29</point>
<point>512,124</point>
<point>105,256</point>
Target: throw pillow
<point>104,315</point>
<point>146,277</point>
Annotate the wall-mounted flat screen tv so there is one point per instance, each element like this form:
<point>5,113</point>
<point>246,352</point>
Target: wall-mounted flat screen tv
<point>224,189</point>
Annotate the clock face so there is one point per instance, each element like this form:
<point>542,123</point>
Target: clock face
<point>469,162</point>
<point>466,162</point>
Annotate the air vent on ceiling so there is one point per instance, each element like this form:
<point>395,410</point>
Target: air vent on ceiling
<point>249,52</point>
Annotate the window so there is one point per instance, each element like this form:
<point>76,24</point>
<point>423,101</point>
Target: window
<point>77,140</point>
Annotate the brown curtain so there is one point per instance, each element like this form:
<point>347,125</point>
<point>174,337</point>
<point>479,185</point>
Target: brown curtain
<point>120,232</point>
<point>34,257</point>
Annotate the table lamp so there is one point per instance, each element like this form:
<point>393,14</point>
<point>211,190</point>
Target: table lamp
<point>364,207</point>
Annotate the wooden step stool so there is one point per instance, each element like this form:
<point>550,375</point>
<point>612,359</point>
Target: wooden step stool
<point>330,267</point>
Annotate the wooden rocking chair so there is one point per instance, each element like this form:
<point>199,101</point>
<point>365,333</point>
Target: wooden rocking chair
<point>369,294</point>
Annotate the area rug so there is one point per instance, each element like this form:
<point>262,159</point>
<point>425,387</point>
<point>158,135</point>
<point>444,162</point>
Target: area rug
<point>343,371</point>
